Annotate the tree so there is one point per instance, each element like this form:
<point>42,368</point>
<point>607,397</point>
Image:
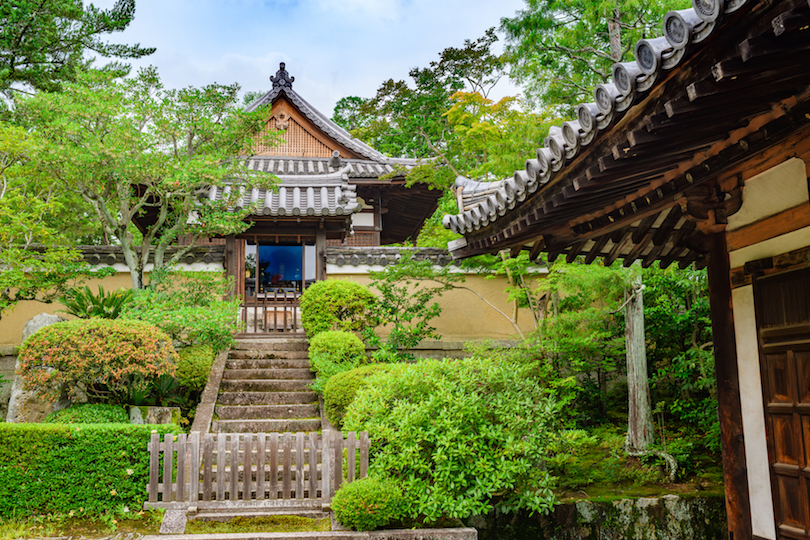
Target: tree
<point>35,263</point>
<point>138,154</point>
<point>43,42</point>
<point>561,49</point>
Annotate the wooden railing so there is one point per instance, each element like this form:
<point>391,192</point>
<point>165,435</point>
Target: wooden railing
<point>283,467</point>
<point>272,312</point>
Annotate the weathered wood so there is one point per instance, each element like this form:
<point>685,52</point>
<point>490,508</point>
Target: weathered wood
<point>168,458</point>
<point>738,509</point>
<point>154,466</point>
<point>338,450</point>
<point>350,462</point>
<point>261,449</point>
<point>194,491</point>
<point>208,465</point>
<point>786,221</point>
<point>234,463</point>
<point>287,472</point>
<point>181,467</point>
<point>313,465</point>
<point>326,468</point>
<point>364,445</point>
<point>221,464</point>
<point>299,465</point>
<point>247,487</point>
<point>640,427</point>
<point>273,465</point>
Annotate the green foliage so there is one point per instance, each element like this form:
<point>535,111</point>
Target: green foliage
<point>129,147</point>
<point>559,50</point>
<point>89,413</point>
<point>82,303</point>
<point>98,355</point>
<point>85,470</point>
<point>406,304</point>
<point>332,352</point>
<point>193,366</point>
<point>369,503</point>
<point>189,307</point>
<point>340,390</point>
<point>460,436</point>
<point>335,304</point>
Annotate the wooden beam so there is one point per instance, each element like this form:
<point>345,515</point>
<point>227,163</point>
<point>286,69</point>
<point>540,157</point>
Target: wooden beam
<point>231,263</point>
<point>596,249</point>
<point>320,255</point>
<point>617,248</point>
<point>738,510</point>
<point>784,222</point>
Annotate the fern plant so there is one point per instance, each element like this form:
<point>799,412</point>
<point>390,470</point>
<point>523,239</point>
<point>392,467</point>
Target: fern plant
<point>82,303</point>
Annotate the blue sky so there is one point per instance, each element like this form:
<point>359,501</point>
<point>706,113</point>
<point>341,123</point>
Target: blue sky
<point>332,48</point>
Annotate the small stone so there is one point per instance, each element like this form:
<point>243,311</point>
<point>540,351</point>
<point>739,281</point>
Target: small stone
<point>174,522</point>
<point>135,416</point>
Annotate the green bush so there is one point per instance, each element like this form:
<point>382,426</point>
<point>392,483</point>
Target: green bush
<point>189,307</point>
<point>369,503</point>
<point>194,365</point>
<point>461,437</point>
<point>56,468</point>
<point>340,389</point>
<point>332,352</point>
<point>335,304</point>
<point>89,413</point>
<point>99,355</point>
<point>82,303</point>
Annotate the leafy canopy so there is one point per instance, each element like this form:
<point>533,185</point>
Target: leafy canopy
<point>43,43</point>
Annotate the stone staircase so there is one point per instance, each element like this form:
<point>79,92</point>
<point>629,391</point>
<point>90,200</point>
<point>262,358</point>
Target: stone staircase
<point>265,388</point>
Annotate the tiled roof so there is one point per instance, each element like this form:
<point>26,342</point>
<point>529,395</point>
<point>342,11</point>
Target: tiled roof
<point>303,195</point>
<point>289,166</point>
<point>483,203</point>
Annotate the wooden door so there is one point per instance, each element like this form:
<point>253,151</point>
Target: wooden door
<point>783,321</point>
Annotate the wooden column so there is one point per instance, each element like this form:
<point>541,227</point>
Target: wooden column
<point>735,477</point>
<point>231,264</point>
<point>320,255</point>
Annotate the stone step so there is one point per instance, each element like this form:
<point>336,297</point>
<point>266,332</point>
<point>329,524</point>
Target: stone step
<point>267,345</point>
<point>265,385</point>
<point>227,516</point>
<point>268,374</point>
<point>276,363</point>
<point>266,355</point>
<point>270,412</point>
<point>266,398</point>
<point>267,425</point>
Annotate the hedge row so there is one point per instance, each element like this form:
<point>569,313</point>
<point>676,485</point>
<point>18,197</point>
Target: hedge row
<point>88,469</point>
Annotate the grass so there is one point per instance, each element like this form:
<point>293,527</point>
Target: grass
<point>259,524</point>
<point>594,466</point>
<point>148,523</point>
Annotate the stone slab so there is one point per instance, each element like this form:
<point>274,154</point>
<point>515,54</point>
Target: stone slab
<point>394,534</point>
<point>174,522</point>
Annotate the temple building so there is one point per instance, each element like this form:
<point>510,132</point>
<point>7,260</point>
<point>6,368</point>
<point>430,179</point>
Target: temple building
<point>696,152</point>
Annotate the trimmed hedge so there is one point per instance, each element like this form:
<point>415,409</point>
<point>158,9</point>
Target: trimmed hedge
<point>90,469</point>
<point>335,304</point>
<point>99,355</point>
<point>89,413</point>
<point>340,389</point>
<point>368,503</point>
<point>332,352</point>
<point>194,365</point>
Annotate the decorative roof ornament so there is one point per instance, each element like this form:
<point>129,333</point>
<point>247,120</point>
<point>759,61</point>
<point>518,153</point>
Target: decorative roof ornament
<point>282,78</point>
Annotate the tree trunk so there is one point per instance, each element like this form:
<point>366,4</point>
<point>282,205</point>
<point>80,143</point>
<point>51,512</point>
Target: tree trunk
<point>640,427</point>
<point>615,35</point>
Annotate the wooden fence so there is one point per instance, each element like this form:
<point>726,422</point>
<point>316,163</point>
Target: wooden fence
<point>253,466</point>
<point>272,312</point>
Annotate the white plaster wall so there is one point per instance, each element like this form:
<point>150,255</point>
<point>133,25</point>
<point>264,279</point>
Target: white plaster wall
<point>364,219</point>
<point>771,192</point>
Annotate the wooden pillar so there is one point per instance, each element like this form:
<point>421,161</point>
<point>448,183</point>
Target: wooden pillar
<point>231,264</point>
<point>320,255</point>
<point>735,477</point>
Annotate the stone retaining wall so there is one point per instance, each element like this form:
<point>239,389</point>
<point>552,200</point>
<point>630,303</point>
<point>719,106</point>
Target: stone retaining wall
<point>8,361</point>
<point>666,518</point>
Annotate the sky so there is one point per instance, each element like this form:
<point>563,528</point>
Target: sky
<point>333,48</point>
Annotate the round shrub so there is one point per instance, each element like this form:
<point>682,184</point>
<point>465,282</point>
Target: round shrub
<point>339,391</point>
<point>89,413</point>
<point>193,366</point>
<point>368,503</point>
<point>335,304</point>
<point>332,352</point>
<point>99,355</point>
<point>461,437</point>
